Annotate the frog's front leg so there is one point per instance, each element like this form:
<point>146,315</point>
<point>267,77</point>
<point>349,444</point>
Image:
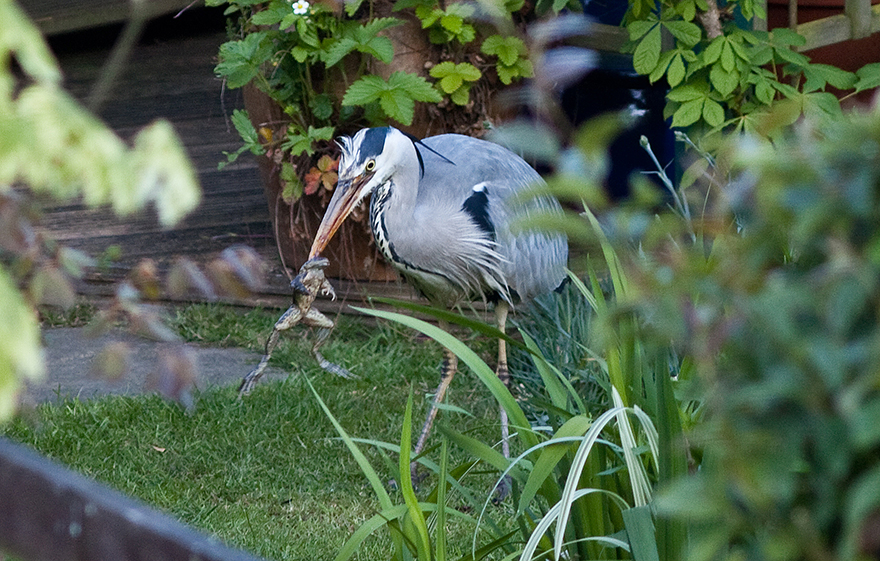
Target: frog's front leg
<point>288,319</point>
<point>327,290</point>
<point>325,326</point>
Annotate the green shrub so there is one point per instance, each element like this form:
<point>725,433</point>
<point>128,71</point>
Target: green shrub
<point>51,146</point>
<point>780,309</point>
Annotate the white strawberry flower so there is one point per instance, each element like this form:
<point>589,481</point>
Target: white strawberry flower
<point>300,7</point>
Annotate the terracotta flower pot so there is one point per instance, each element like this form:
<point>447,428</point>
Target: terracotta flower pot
<point>351,252</point>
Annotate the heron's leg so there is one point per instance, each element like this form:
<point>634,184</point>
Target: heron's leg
<point>287,320</point>
<point>447,372</point>
<point>501,310</point>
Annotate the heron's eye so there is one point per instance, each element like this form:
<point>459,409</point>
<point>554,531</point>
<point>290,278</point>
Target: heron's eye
<point>371,165</point>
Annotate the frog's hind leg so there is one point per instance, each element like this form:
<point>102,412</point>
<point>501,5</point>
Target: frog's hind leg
<point>325,327</point>
<point>287,320</point>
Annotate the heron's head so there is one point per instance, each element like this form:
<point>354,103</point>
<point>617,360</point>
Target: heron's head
<point>369,159</point>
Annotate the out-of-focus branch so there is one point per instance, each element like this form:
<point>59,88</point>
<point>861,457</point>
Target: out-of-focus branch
<point>118,57</point>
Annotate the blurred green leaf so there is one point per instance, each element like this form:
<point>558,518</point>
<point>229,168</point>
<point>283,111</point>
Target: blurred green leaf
<point>21,356</point>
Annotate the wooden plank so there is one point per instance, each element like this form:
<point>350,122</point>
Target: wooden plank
<point>218,208</point>
<point>602,37</point>
<point>63,16</point>
<point>51,513</point>
<point>859,14</point>
<point>836,29</point>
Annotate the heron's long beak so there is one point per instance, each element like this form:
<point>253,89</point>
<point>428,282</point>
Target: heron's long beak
<point>344,199</point>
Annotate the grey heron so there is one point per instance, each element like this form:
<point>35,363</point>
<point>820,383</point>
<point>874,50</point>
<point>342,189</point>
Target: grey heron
<point>443,212</point>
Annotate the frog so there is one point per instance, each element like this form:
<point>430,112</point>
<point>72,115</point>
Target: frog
<point>308,284</point>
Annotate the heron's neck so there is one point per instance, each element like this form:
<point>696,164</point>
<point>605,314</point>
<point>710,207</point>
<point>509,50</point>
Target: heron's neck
<point>391,211</point>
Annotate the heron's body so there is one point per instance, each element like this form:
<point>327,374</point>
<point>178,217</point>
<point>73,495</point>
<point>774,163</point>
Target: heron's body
<point>448,229</point>
<point>444,212</point>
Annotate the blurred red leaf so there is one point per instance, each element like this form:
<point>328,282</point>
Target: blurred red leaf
<point>323,174</point>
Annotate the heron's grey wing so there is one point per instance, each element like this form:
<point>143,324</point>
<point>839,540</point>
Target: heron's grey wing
<point>534,261</point>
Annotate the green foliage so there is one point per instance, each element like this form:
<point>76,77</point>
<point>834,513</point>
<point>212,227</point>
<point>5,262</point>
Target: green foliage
<point>319,66</point>
<point>248,133</point>
<point>721,73</point>
<point>363,39</point>
<point>51,146</point>
<point>513,62</point>
<point>20,350</point>
<point>410,524</point>
<point>242,61</point>
<point>766,304</point>
<point>299,141</point>
<point>780,312</point>
<point>396,97</point>
<point>455,79</point>
<point>445,26</point>
<point>596,499</point>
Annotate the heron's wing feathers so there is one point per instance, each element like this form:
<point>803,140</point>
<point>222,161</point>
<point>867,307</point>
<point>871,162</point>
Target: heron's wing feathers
<point>534,261</point>
<point>463,224</point>
<point>447,243</point>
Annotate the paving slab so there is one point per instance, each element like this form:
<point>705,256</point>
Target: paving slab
<point>71,353</point>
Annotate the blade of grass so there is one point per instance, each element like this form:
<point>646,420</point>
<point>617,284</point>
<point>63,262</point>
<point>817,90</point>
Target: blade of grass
<point>572,431</point>
<point>353,543</point>
<point>582,288</point>
<point>480,450</point>
<point>639,524</point>
<point>672,462</point>
<point>453,480</point>
<point>558,386</point>
<point>618,277</point>
<point>638,477</point>
<point>472,360</point>
<point>416,516</point>
<point>362,461</point>
<point>483,552</point>
<point>513,464</point>
<point>393,515</point>
<point>555,514</point>
<point>440,533</point>
<point>569,491</point>
<point>450,317</point>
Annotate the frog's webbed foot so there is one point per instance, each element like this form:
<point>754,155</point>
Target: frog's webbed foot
<point>331,367</point>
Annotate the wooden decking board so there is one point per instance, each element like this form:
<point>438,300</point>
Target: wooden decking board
<point>61,16</point>
<point>164,247</point>
<point>141,226</point>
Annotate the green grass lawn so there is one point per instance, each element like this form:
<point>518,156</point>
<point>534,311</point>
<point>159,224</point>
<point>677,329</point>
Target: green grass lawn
<point>268,473</point>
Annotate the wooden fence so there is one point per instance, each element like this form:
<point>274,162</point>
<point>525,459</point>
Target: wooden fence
<point>49,513</point>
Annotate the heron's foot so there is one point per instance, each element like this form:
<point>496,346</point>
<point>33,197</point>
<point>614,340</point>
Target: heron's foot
<point>502,490</point>
<point>416,476</point>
